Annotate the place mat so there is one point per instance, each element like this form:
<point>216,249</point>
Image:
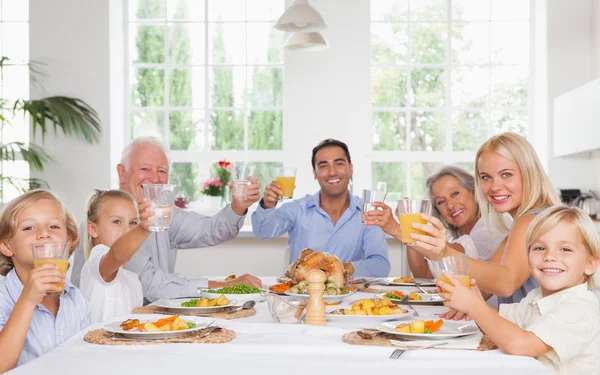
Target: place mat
<point>103,337</point>
<point>150,309</point>
<point>378,338</point>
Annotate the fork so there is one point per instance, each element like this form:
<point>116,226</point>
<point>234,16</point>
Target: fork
<point>405,300</point>
<point>398,352</point>
<point>418,285</point>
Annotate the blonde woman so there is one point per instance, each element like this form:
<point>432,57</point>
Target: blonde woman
<point>557,323</point>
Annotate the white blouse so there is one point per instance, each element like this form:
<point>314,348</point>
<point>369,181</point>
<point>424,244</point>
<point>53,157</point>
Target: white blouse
<point>109,300</point>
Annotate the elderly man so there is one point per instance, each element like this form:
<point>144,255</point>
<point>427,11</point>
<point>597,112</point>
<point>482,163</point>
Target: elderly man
<point>144,161</point>
<point>330,220</point>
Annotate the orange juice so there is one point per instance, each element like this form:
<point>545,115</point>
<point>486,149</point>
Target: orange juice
<point>62,264</point>
<point>463,279</point>
<point>287,185</point>
<point>406,228</point>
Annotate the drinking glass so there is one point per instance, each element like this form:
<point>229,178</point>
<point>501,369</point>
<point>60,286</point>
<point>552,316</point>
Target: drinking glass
<point>52,253</point>
<point>457,265</point>
<point>241,174</point>
<point>286,178</point>
<point>161,198</point>
<point>370,196</point>
<point>409,212</point>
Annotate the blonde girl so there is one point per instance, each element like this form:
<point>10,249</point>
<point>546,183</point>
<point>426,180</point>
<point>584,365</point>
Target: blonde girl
<point>558,322</point>
<point>28,316</point>
<point>114,232</point>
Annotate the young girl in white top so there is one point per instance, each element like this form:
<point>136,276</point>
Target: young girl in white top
<point>559,322</point>
<point>114,233</point>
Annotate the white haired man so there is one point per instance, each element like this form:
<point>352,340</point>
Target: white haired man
<point>144,161</point>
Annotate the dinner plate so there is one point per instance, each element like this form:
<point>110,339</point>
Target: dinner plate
<point>450,329</point>
<point>366,318</point>
<point>326,297</point>
<point>175,305</point>
<point>428,299</point>
<point>115,327</point>
<point>238,297</point>
<point>422,282</point>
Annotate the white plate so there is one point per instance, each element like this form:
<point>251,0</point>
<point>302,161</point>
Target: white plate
<point>423,282</point>
<point>238,297</point>
<point>175,305</point>
<point>366,318</point>
<point>450,329</point>
<point>428,299</point>
<point>115,327</point>
<point>326,298</point>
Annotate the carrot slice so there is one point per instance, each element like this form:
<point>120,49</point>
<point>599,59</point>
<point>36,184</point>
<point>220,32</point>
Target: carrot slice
<point>435,326</point>
<point>162,322</point>
<point>331,303</point>
<point>428,323</point>
<point>399,294</point>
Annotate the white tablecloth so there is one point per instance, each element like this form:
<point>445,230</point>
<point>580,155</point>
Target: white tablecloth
<point>264,347</point>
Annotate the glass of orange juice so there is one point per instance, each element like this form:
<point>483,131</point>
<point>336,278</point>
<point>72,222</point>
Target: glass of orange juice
<point>286,178</point>
<point>52,253</point>
<point>457,266</point>
<point>409,211</point>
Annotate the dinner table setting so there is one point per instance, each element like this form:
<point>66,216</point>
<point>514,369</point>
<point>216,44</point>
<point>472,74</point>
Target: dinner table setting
<point>368,328</point>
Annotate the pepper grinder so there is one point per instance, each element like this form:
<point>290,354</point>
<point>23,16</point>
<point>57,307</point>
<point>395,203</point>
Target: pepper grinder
<point>315,310</point>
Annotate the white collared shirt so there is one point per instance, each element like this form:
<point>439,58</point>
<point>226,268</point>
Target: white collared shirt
<point>568,321</point>
<point>112,299</point>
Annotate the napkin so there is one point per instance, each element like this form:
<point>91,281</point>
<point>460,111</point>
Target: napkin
<point>470,342</point>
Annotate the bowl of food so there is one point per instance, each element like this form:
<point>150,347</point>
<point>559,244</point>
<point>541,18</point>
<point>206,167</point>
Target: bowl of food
<point>285,309</point>
<point>239,292</point>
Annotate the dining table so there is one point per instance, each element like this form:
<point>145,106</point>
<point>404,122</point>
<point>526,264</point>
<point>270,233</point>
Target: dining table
<point>262,346</point>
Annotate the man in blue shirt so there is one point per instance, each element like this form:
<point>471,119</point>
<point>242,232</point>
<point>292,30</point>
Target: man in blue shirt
<point>330,220</point>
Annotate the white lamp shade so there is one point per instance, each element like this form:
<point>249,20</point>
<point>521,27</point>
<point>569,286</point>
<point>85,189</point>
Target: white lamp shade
<point>300,17</point>
<point>312,41</point>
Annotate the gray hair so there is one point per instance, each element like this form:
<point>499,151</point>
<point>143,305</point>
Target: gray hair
<point>141,141</point>
<point>465,179</point>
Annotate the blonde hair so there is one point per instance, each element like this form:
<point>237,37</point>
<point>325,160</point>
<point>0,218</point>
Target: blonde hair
<point>94,208</point>
<point>9,222</point>
<point>537,190</point>
<point>554,216</point>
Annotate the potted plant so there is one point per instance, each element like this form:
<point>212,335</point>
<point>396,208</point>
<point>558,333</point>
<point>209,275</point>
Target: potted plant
<point>70,115</point>
<point>212,189</point>
<point>222,169</point>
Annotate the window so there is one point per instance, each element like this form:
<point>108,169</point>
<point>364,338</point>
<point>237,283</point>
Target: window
<point>14,84</point>
<point>207,78</point>
<point>445,76</point>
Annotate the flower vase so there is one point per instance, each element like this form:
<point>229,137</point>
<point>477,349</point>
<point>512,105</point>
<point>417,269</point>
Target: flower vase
<point>212,203</point>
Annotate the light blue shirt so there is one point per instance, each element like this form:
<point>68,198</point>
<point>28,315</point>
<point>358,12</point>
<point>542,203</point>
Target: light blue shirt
<point>46,332</point>
<point>308,226</point>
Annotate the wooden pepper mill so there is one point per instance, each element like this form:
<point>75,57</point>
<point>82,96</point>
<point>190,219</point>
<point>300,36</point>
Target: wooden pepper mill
<point>315,310</point>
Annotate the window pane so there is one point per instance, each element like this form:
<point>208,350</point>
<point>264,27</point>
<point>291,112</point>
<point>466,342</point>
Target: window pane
<point>470,43</point>
<point>186,130</point>
<point>389,10</point>
<point>470,10</point>
<point>186,87</point>
<point>264,10</point>
<point>428,43</point>
<point>389,43</point>
<point>15,10</point>
<point>15,44</point>
<point>427,131</point>
<point>389,131</point>
<point>227,86</point>
<point>510,9</point>
<point>389,87</point>
<point>509,86</point>
<point>150,123</point>
<point>469,167</point>
<point>186,43</point>
<point>429,87</point>
<point>15,128</point>
<point>510,121</point>
<point>227,43</point>
<point>265,86</point>
<point>469,130</point>
<point>428,10</point>
<point>15,81</point>
<point>265,44</point>
<point>147,9</point>
<point>227,130</point>
<point>510,42</point>
<point>265,173</point>
<point>185,10</point>
<point>147,87</point>
<point>470,87</point>
<point>419,172</point>
<point>394,174</point>
<point>188,178</point>
<point>146,43</point>
<point>227,10</point>
<point>265,130</point>
<point>18,173</point>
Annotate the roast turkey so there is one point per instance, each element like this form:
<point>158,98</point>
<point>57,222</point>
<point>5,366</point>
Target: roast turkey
<point>330,264</point>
